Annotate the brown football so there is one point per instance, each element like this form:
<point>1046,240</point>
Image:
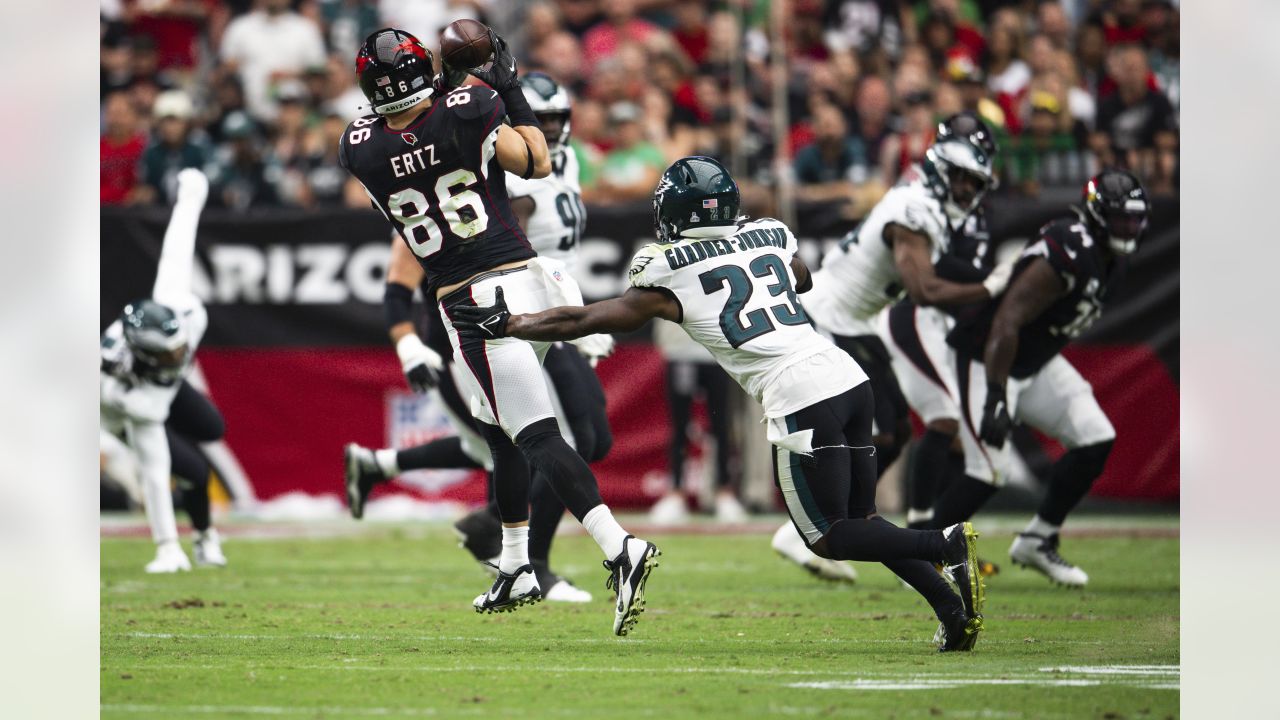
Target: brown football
<point>464,44</point>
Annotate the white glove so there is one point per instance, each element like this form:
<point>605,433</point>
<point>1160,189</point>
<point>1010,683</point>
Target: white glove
<point>999,277</point>
<point>421,364</point>
<point>193,187</point>
<point>594,347</point>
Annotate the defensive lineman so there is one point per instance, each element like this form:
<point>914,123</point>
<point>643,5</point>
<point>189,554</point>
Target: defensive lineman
<point>894,251</point>
<point>146,355</point>
<point>732,285</point>
<point>432,160</point>
<point>1008,366</point>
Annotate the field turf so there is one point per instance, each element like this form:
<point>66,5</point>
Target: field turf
<point>375,621</point>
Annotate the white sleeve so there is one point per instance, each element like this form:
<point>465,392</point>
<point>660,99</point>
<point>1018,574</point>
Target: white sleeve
<point>152,449</point>
<point>518,186</point>
<point>173,275</point>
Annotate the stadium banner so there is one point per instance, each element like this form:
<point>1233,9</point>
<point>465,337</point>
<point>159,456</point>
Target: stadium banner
<point>297,358</point>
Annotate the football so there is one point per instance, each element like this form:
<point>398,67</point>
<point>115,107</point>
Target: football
<point>464,44</point>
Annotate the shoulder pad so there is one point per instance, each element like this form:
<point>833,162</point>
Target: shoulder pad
<point>775,225</point>
<point>480,104</point>
<point>649,267</point>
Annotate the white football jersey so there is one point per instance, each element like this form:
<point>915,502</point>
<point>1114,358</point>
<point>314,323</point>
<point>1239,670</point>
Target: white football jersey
<point>127,398</point>
<point>737,299</point>
<point>559,217</point>
<point>859,278</point>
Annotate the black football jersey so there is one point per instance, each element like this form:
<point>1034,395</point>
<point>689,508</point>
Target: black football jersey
<point>439,183</point>
<point>1083,265</point>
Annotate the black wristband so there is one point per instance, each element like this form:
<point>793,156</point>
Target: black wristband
<point>397,303</point>
<point>528,168</point>
<point>518,110</point>
<point>996,390</point>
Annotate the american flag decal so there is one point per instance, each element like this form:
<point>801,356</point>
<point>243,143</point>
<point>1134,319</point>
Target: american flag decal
<point>384,80</point>
<point>710,203</point>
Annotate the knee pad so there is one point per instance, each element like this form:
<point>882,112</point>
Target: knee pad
<point>1088,461</point>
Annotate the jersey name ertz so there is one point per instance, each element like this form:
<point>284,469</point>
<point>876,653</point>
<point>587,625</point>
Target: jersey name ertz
<point>403,165</point>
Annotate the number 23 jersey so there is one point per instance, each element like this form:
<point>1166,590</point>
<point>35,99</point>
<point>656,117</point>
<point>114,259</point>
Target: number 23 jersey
<point>439,183</point>
<point>737,299</point>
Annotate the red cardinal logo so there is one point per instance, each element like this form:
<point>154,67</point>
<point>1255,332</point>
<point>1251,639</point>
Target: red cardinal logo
<point>409,138</point>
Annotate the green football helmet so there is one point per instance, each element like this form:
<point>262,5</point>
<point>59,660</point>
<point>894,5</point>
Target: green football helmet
<point>695,192</point>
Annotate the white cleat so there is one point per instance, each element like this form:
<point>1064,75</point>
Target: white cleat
<point>670,510</point>
<point>170,558</point>
<point>1040,553</point>
<point>788,543</point>
<point>729,510</point>
<point>628,574</point>
<point>208,549</point>
<point>565,591</point>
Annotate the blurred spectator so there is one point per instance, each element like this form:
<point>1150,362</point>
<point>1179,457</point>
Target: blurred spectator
<point>1121,22</point>
<point>674,139</point>
<point>691,30</point>
<point>906,147</point>
<point>1091,56</point>
<point>171,150</point>
<point>863,26</point>
<point>560,55</point>
<point>423,18</point>
<point>631,168</point>
<point>115,64</point>
<point>834,161</point>
<point>267,46</point>
<point>1135,118</point>
<point>1007,73</point>
<point>974,95</point>
<point>1160,21</point>
<point>173,26</point>
<point>872,125</point>
<point>239,177</point>
<point>1045,154</point>
<point>289,148</point>
<point>619,25</point>
<point>349,22</point>
<point>119,149</point>
<point>325,181</point>
<point>1052,20</point>
<point>578,15</point>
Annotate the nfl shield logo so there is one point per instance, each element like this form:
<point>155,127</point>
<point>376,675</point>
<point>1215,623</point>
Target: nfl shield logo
<point>409,138</point>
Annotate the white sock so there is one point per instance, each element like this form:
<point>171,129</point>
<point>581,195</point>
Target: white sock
<point>386,460</point>
<point>1039,526</point>
<point>515,548</point>
<point>914,515</point>
<point>606,531</point>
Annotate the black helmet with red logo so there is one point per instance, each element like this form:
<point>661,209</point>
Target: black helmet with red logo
<point>1117,204</point>
<point>395,71</point>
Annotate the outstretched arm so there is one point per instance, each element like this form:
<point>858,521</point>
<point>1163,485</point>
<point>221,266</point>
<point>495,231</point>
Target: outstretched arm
<point>629,312</point>
<point>173,275</point>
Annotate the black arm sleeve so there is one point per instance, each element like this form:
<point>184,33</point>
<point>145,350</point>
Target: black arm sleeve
<point>397,303</point>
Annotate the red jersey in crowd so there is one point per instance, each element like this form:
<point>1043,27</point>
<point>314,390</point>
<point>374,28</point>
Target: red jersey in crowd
<point>119,167</point>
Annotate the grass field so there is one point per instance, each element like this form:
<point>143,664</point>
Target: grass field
<point>375,621</point>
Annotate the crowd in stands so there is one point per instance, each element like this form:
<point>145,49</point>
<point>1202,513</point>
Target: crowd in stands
<point>258,92</point>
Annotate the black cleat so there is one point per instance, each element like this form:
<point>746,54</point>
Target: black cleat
<point>480,533</point>
<point>510,591</point>
<point>361,474</point>
<point>962,569</point>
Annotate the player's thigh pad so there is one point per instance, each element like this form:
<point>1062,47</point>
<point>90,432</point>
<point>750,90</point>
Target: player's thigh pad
<point>505,375</point>
<point>816,486</point>
<point>1059,402</point>
<point>922,360</point>
<point>981,461</point>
